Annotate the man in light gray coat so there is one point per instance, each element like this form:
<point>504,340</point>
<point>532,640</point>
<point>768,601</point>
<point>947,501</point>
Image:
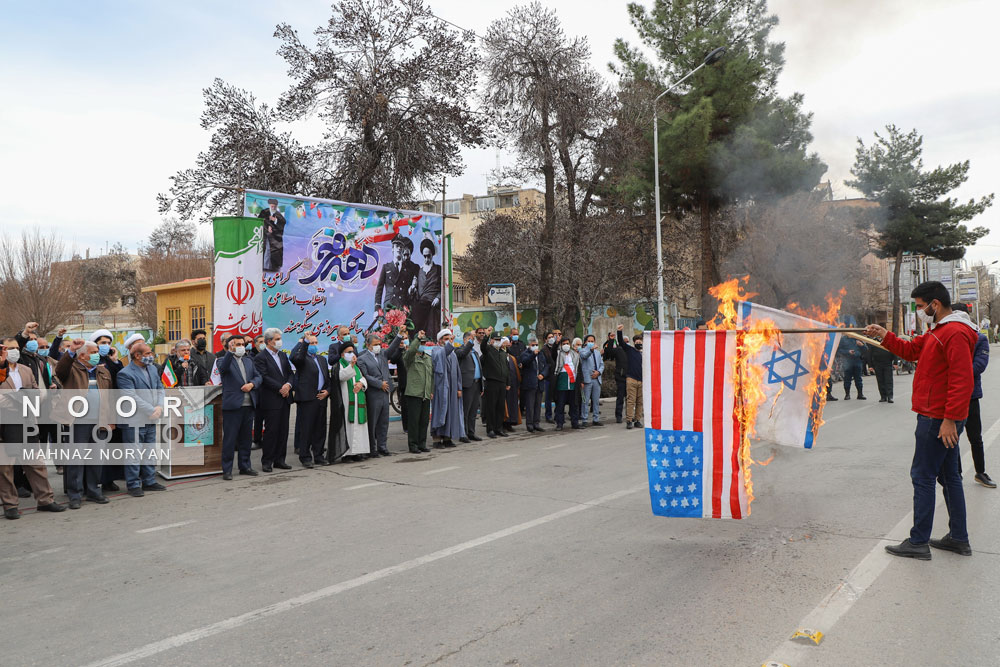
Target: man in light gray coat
<point>591,370</point>
<point>374,365</point>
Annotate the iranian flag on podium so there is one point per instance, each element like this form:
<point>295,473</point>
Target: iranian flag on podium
<point>239,262</point>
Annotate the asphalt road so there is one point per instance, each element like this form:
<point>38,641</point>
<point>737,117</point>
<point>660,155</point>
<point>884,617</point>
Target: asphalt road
<point>528,551</point>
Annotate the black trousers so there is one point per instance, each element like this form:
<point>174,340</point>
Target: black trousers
<point>852,371</point>
<point>418,411</point>
<point>258,427</point>
<point>236,426</point>
<point>494,398</point>
<point>275,442</point>
<point>310,427</point>
<point>471,399</point>
<point>621,393</point>
<point>563,398</point>
<point>974,429</point>
<point>883,376</point>
<point>531,402</point>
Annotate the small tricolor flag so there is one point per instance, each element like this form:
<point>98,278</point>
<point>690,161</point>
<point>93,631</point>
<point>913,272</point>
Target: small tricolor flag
<point>167,376</point>
<point>692,435</point>
<point>568,367</point>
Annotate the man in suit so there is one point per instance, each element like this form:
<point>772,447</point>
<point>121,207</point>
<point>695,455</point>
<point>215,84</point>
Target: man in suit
<point>20,377</point>
<point>311,389</point>
<point>374,365</point>
<point>239,398</point>
<point>591,370</point>
<point>472,384</point>
<point>333,352</point>
<point>274,400</point>
<point>398,280</point>
<point>496,370</point>
<point>140,381</point>
<point>274,235</point>
<point>533,372</point>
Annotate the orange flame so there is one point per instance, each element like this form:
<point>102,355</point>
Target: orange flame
<point>814,348</point>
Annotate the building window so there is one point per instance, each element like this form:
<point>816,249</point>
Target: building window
<point>173,324</point>
<point>453,207</point>
<point>486,203</point>
<point>197,317</point>
<point>509,201</point>
<point>461,293</point>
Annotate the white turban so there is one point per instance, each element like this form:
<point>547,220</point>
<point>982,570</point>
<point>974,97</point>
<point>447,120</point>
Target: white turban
<point>100,332</point>
<point>504,340</point>
<point>134,338</point>
<point>443,333</point>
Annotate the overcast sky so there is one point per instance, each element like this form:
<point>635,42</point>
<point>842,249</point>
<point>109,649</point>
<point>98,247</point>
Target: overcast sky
<point>102,99</point>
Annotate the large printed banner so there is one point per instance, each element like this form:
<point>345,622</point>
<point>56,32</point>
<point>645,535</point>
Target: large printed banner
<point>237,302</point>
<point>328,264</point>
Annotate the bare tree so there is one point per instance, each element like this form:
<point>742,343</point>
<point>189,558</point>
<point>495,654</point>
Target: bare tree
<point>104,280</point>
<point>35,284</point>
<point>171,254</point>
<point>393,83</point>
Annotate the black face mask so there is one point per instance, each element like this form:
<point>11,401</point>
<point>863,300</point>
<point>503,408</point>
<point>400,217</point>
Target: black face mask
<point>638,346</point>
<point>200,344</point>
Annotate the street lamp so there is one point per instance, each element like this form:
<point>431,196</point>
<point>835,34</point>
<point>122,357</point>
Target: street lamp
<point>712,57</point>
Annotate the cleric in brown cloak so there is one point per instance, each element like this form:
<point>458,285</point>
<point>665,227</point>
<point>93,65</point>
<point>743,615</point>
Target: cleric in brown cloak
<point>274,232</point>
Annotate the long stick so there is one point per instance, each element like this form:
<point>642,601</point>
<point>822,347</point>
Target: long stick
<point>827,330</point>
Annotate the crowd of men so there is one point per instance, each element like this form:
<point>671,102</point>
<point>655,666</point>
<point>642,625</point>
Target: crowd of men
<point>342,398</point>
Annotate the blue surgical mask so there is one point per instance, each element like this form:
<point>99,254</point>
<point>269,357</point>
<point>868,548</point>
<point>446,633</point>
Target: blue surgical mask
<point>313,349</point>
<point>404,343</point>
<point>104,348</point>
<point>44,352</point>
<point>31,346</point>
<point>94,359</point>
<point>148,360</point>
<point>590,345</point>
<point>426,349</point>
<point>514,337</point>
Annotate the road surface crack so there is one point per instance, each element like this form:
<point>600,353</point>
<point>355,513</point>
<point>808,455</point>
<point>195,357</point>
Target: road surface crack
<point>514,621</point>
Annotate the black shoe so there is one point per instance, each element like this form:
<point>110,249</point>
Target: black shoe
<point>889,400</point>
<point>281,465</point>
<point>847,398</point>
<point>227,476</point>
<point>51,507</point>
<point>23,492</point>
<point>549,421</point>
<point>538,429</point>
<point>491,434</point>
<point>584,425</point>
<point>155,486</point>
<point>984,479</point>
<point>320,461</point>
<point>906,549</point>
<point>464,441</point>
<point>578,427</point>
<point>110,486</point>
<point>450,443</point>
<point>386,452</point>
<point>100,500</point>
<point>597,424</point>
<point>948,544</point>
<point>501,434</point>
<point>831,397</point>
<point>618,420</point>
<point>862,397</point>
<point>628,424</point>
<point>249,471</point>
<point>558,427</point>
<point>74,503</point>
<point>883,400</point>
<point>266,468</point>
<point>475,438</point>
<point>11,513</point>
<point>414,450</point>
<point>136,492</point>
<point>308,464</point>
<point>424,450</point>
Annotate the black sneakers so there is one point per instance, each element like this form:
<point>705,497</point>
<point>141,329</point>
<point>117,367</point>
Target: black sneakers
<point>984,479</point>
<point>907,549</point>
<point>948,544</point>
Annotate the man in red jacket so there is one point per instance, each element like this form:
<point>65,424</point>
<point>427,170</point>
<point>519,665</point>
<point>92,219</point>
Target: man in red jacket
<point>942,388</point>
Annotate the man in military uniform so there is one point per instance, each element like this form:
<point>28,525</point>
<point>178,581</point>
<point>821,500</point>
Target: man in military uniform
<point>398,280</point>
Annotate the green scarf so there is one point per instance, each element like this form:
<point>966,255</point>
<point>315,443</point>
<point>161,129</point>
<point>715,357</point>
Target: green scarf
<point>356,401</point>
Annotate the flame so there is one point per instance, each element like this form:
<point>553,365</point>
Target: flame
<point>749,378</point>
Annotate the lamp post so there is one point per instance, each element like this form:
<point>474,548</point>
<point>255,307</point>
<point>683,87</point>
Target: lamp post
<point>709,59</point>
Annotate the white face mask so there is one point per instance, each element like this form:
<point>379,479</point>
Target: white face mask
<point>534,348</point>
<point>565,347</point>
<point>376,349</point>
<point>13,355</point>
<point>277,344</point>
<point>348,356</point>
<point>261,347</point>
<point>924,317</point>
<point>239,350</point>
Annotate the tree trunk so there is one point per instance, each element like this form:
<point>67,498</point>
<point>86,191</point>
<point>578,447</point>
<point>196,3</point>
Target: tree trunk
<point>548,241</point>
<point>708,277</point>
<point>895,291</point>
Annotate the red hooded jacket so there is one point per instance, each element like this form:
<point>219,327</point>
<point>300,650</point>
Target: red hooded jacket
<point>943,383</point>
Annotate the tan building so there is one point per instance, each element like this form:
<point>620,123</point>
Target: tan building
<point>181,307</point>
<point>468,212</point>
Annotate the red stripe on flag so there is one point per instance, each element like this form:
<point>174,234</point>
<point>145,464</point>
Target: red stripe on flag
<point>698,423</point>
<point>678,389</point>
<point>656,406</point>
<point>718,386</point>
<point>734,490</point>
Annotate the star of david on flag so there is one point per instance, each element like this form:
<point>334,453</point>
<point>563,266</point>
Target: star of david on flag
<point>785,367</point>
<point>692,437</point>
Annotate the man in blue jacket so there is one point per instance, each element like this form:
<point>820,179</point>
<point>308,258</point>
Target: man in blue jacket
<point>974,423</point>
<point>240,381</point>
<point>141,382</point>
<point>591,370</point>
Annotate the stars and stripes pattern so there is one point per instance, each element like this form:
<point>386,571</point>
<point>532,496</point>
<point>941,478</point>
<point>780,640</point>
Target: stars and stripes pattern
<point>692,436</point>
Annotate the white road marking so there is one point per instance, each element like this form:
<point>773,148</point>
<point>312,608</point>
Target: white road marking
<point>363,486</point>
<point>165,526</point>
<point>501,458</point>
<point>842,598</point>
<point>33,554</point>
<point>434,472</point>
<point>276,504</point>
<point>599,437</point>
<point>234,622</point>
<point>561,444</point>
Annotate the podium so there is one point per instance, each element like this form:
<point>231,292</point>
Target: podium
<point>194,439</point>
